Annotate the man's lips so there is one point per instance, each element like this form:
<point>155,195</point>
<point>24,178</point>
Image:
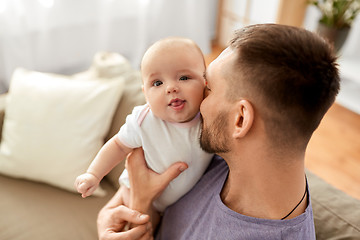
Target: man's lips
<point>177,104</point>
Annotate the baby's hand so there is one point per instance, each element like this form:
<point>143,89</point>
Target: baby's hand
<point>86,184</point>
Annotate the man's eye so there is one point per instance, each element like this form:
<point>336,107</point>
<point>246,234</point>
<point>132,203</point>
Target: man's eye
<point>182,78</point>
<point>157,83</point>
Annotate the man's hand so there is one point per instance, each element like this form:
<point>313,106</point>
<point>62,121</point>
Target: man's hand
<point>114,217</point>
<point>145,184</point>
<point>112,221</point>
<point>86,184</point>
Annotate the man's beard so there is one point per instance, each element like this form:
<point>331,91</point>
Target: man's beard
<point>213,139</point>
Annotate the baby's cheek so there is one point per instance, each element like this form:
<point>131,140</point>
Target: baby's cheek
<point>205,92</point>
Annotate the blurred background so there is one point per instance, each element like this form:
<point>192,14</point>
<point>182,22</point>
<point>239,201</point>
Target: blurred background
<point>62,36</point>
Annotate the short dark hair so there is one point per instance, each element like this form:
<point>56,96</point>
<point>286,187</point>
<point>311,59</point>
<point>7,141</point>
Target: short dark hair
<point>292,73</point>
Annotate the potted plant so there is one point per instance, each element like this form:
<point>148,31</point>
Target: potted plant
<point>336,19</point>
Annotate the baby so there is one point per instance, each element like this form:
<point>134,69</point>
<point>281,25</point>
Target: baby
<point>167,127</point>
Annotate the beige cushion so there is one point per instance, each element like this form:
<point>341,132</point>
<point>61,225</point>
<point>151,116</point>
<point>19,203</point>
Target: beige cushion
<point>54,125</point>
<point>336,214</point>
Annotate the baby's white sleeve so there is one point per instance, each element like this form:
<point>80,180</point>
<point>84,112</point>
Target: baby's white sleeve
<point>130,136</point>
<point>129,133</point>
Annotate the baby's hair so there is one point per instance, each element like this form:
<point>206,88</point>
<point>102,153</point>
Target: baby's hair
<point>170,42</point>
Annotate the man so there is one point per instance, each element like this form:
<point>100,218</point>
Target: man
<point>266,94</point>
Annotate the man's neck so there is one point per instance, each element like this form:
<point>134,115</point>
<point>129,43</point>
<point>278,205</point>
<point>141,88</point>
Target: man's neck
<point>259,188</point>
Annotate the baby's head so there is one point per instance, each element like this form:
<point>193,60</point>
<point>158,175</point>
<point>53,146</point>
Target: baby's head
<point>172,71</point>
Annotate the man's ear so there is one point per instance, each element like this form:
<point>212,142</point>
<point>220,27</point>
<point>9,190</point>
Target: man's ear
<point>244,118</point>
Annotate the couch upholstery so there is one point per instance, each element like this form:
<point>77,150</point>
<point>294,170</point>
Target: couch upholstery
<point>31,210</point>
<point>336,214</point>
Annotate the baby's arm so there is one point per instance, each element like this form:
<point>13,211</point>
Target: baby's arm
<point>111,154</point>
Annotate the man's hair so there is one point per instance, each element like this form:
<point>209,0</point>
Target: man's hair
<point>291,75</point>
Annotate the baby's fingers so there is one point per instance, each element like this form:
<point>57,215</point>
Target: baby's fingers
<point>88,190</point>
<point>82,187</point>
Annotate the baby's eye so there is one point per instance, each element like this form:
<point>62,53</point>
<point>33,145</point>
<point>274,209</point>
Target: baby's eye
<point>157,83</point>
<point>184,78</point>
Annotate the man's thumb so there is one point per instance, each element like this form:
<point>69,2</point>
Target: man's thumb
<point>172,172</point>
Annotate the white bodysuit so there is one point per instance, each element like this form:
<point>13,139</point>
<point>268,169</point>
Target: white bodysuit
<point>165,143</point>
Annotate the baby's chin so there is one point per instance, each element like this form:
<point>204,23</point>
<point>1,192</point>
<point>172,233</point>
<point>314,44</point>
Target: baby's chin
<point>187,119</point>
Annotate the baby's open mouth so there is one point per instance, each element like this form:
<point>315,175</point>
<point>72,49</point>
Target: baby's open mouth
<point>177,103</point>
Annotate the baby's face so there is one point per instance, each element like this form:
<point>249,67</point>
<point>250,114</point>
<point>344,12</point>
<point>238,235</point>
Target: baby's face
<point>173,82</point>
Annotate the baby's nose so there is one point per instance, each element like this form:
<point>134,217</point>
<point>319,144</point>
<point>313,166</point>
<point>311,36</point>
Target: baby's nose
<point>172,88</point>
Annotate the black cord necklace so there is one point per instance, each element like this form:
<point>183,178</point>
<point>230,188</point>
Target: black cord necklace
<point>306,191</point>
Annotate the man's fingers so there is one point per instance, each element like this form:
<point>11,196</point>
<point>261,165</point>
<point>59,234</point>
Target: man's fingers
<point>141,232</point>
<point>132,216</point>
<point>148,235</point>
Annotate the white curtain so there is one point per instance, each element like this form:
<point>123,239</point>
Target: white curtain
<point>62,36</point>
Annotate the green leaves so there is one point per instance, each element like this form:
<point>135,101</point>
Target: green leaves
<point>337,13</point>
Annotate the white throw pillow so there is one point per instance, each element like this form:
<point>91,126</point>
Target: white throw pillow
<point>55,125</point>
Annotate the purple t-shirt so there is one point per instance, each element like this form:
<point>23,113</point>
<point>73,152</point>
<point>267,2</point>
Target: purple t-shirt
<point>200,214</point>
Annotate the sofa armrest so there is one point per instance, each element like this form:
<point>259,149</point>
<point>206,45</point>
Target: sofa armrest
<point>336,214</point>
<point>2,111</point>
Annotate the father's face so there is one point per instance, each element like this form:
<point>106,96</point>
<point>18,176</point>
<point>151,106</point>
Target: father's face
<point>215,108</point>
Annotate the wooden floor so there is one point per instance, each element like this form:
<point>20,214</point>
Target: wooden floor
<point>334,150</point>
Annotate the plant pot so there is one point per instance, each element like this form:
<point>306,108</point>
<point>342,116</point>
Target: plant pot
<point>336,36</point>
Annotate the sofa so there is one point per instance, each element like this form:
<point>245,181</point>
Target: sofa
<point>36,207</point>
